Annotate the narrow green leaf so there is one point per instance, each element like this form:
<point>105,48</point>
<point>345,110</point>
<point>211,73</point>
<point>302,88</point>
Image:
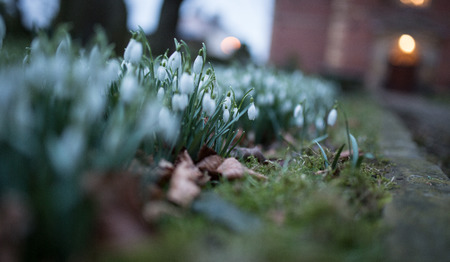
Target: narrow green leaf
<point>355,150</point>
<point>323,154</point>
<point>336,157</point>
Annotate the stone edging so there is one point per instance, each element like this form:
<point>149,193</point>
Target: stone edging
<point>419,213</point>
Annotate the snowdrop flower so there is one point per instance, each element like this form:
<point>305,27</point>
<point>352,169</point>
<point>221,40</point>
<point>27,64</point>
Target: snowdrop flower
<point>160,94</point>
<point>128,88</point>
<point>198,65</point>
<point>175,61</point>
<point>208,104</point>
<point>320,125</point>
<point>227,102</point>
<point>235,112</point>
<point>66,151</point>
<point>168,124</point>
<point>186,83</point>
<point>252,112</point>
<point>161,73</point>
<point>112,70</point>
<point>332,116</point>
<point>298,111</point>
<point>226,115</point>
<point>133,52</point>
<point>298,116</point>
<point>204,80</point>
<point>179,102</point>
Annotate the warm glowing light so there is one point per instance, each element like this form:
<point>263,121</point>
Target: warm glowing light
<point>406,43</point>
<point>230,44</point>
<point>416,3</point>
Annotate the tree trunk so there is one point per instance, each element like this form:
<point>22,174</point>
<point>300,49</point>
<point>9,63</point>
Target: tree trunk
<point>84,15</point>
<point>162,39</point>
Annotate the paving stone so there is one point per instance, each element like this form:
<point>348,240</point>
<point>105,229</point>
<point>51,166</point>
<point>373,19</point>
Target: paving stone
<point>419,213</point>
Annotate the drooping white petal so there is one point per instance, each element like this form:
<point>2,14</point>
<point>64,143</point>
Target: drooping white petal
<point>332,116</point>
<point>198,64</point>
<point>208,104</point>
<point>252,112</point>
<point>175,61</point>
<point>133,52</point>
<point>161,73</point>
<point>160,94</point>
<point>226,115</point>
<point>186,84</point>
<point>179,102</point>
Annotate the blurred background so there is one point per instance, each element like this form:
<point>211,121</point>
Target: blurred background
<point>395,44</point>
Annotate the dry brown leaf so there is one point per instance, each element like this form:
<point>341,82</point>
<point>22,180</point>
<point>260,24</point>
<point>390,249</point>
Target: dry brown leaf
<point>346,154</point>
<point>231,168</point>
<point>255,174</point>
<point>183,185</point>
<point>184,156</point>
<point>205,152</point>
<point>210,163</point>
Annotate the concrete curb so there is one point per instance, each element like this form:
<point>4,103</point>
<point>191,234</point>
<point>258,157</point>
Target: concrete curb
<point>419,213</point>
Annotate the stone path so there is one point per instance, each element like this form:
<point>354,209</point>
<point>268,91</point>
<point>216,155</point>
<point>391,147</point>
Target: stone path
<point>427,121</point>
<point>419,213</point>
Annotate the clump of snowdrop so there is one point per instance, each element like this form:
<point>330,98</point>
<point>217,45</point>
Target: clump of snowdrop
<point>284,100</point>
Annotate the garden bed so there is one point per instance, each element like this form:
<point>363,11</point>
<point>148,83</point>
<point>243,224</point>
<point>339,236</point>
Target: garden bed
<point>144,157</point>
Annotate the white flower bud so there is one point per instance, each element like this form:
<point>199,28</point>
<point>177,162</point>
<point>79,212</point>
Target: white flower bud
<point>198,64</point>
<point>168,125</point>
<point>128,88</point>
<point>161,73</point>
<point>298,111</point>
<point>160,94</point>
<point>186,83</point>
<point>133,52</point>
<point>175,61</point>
<point>226,115</point>
<point>332,116</point>
<point>179,102</point>
<point>320,125</point>
<point>252,112</point>
<point>235,112</point>
<point>227,102</point>
<point>208,104</point>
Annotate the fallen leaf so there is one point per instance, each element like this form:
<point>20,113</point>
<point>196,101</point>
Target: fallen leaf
<point>346,154</point>
<point>210,163</point>
<point>255,174</point>
<point>164,171</point>
<point>205,152</point>
<point>183,185</point>
<point>231,168</point>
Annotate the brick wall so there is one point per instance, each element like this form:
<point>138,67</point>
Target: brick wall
<point>340,35</point>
